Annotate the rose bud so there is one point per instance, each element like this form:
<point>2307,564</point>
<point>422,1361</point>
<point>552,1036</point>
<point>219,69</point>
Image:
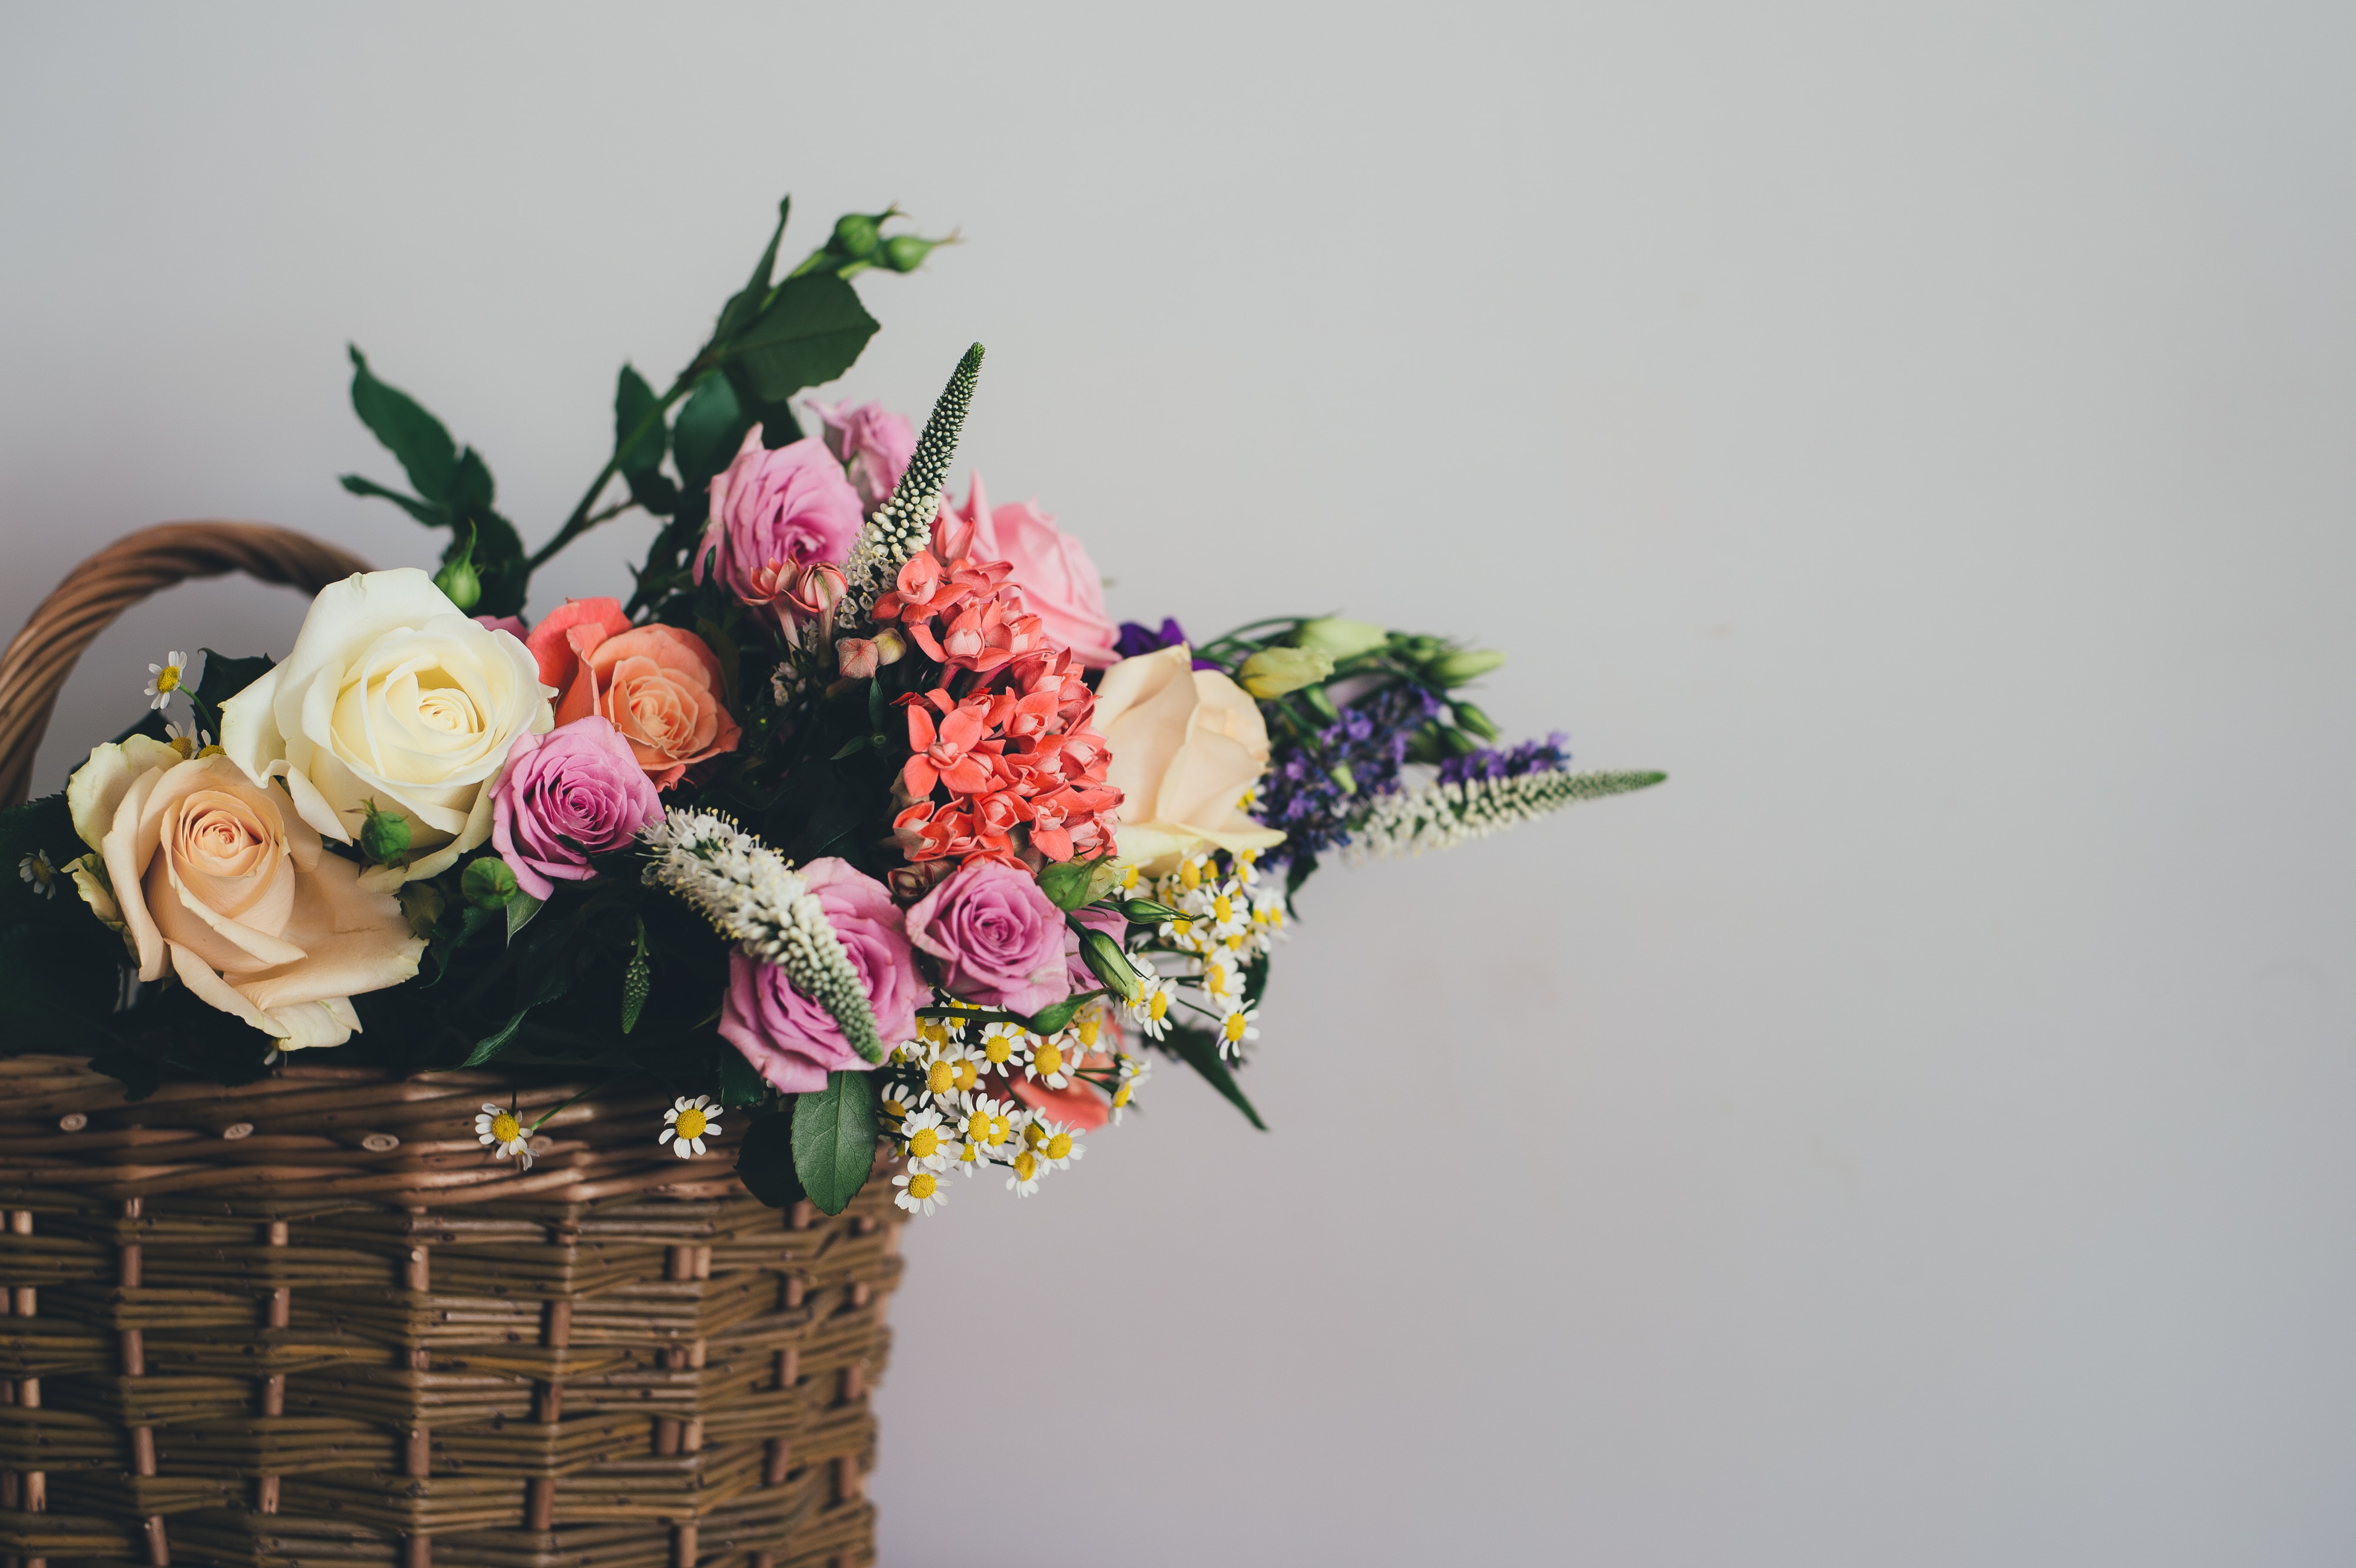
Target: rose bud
<point>1460,664</point>
<point>1273,672</point>
<point>1339,639</point>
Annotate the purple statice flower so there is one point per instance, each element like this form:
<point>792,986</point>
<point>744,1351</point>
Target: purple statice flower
<point>1546,756</point>
<point>1138,639</point>
<point>1300,792</point>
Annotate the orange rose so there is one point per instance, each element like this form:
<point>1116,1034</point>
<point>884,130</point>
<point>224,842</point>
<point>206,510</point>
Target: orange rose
<point>660,686</point>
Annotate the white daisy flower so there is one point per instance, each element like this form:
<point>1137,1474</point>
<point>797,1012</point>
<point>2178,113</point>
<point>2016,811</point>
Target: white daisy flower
<point>498,1129</point>
<point>928,1141</point>
<point>1004,1046</point>
<point>1223,981</point>
<point>1134,1071</point>
<point>920,1192</point>
<point>1239,1026</point>
<point>187,739</point>
<point>895,1102</point>
<point>1150,1011</point>
<point>1055,1146</point>
<point>35,868</point>
<point>692,1122</point>
<point>1052,1062</point>
<point>163,679</point>
<point>951,1068</point>
<point>1230,910</point>
<point>988,1127</point>
<point>1024,1172</point>
<point>1247,866</point>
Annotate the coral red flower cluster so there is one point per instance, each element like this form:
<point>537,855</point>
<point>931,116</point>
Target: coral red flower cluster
<point>1013,754</point>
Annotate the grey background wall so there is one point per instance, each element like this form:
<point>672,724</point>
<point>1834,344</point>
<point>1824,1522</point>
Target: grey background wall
<point>1921,1133</point>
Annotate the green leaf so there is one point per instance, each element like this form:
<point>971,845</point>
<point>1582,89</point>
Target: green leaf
<point>811,333</point>
<point>136,1072</point>
<point>470,483</point>
<point>856,743</point>
<point>431,513</point>
<point>224,678</point>
<point>520,908</point>
<point>1200,1051</point>
<point>637,979</point>
<point>765,1160</point>
<point>1048,1020</point>
<point>740,1081</point>
<point>635,404</point>
<point>741,306</point>
<point>491,1044</point>
<point>711,426</point>
<point>424,448</point>
<point>1065,883</point>
<point>723,648</point>
<point>834,1139</point>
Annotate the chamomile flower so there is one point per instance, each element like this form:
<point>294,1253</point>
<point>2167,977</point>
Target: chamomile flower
<point>1134,1071</point>
<point>1055,1146</point>
<point>1024,1172</point>
<point>894,1101</point>
<point>1002,1043</point>
<point>1050,1060</point>
<point>502,1132</point>
<point>928,1141</point>
<point>1150,1011</point>
<point>920,1192</point>
<point>1190,871</point>
<point>35,868</point>
<point>1268,912</point>
<point>163,679</point>
<point>188,740</point>
<point>692,1122</point>
<point>988,1126</point>
<point>1238,1027</point>
<point>1247,865</point>
<point>1223,982</point>
<point>951,1068</point>
<point>1230,910</point>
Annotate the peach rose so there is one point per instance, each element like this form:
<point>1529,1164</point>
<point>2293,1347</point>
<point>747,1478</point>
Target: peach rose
<point>660,686</point>
<point>218,879</point>
<point>1185,744</point>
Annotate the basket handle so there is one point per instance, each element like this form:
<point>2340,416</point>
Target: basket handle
<point>35,667</point>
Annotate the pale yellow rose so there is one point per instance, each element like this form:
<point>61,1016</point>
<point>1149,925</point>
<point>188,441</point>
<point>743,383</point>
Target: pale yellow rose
<point>210,876</point>
<point>1187,744</point>
<point>391,695</point>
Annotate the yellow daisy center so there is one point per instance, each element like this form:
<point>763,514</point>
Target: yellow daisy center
<point>1223,909</point>
<point>1059,1146</point>
<point>1158,1007</point>
<point>998,1047</point>
<point>923,1143</point>
<point>1047,1061</point>
<point>1235,1027</point>
<point>167,679</point>
<point>506,1128</point>
<point>1026,1164</point>
<point>1215,980</point>
<point>1190,875</point>
<point>999,1129</point>
<point>968,1075</point>
<point>978,1126</point>
<point>692,1123</point>
<point>1088,1027</point>
<point>923,1185</point>
<point>1121,1096</point>
<point>940,1076</point>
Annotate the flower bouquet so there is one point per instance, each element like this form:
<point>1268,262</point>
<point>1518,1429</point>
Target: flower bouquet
<point>854,823</point>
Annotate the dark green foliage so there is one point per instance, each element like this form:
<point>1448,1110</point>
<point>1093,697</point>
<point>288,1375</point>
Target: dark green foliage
<point>765,1160</point>
<point>834,1139</point>
<point>451,489</point>
<point>1199,1050</point>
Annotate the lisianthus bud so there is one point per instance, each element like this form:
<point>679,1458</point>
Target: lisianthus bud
<point>489,882</point>
<point>1108,962</point>
<point>856,658</point>
<point>1460,664</point>
<point>384,836</point>
<point>1470,718</point>
<point>1273,672</point>
<point>1339,639</point>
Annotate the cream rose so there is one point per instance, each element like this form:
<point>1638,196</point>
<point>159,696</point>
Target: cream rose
<point>207,874</point>
<point>391,696</point>
<point>1185,743</point>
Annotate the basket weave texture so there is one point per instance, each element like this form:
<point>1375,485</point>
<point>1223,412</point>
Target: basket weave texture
<point>305,1321</point>
<point>301,1320</point>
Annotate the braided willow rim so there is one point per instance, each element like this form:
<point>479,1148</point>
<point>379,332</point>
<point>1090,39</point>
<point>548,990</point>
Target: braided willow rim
<point>304,1321</point>
<point>33,669</point>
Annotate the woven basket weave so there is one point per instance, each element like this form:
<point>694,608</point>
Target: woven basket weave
<point>303,1320</point>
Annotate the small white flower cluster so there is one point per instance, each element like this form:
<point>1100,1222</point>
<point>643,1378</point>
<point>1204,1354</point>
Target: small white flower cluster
<point>1441,814</point>
<point>904,525</point>
<point>1227,920</point>
<point>750,894</point>
<point>936,1100</point>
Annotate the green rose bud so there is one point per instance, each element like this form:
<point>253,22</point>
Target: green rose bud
<point>1147,911</point>
<point>906,252</point>
<point>1273,672</point>
<point>1470,718</point>
<point>856,235</point>
<point>488,883</point>
<point>1065,883</point>
<point>1108,963</point>
<point>457,579</point>
<point>1339,639</point>
<point>1460,664</point>
<point>384,836</point>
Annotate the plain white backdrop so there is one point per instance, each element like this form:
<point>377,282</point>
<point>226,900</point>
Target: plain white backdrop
<point>1920,1133</point>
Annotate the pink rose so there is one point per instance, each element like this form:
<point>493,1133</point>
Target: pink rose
<point>660,686</point>
<point>998,938</point>
<point>511,624</point>
<point>774,513</point>
<point>871,441</point>
<point>1060,584</point>
<point>791,1040</point>
<point>564,797</point>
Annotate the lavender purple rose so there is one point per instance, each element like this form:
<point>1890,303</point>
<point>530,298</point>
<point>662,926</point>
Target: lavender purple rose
<point>564,797</point>
<point>794,1042</point>
<point>998,938</point>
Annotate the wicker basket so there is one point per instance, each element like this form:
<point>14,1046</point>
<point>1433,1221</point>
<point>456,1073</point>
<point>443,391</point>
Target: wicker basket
<point>302,1320</point>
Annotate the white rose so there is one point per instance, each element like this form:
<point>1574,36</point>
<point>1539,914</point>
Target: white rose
<point>391,696</point>
<point>1185,744</point>
<point>208,875</point>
